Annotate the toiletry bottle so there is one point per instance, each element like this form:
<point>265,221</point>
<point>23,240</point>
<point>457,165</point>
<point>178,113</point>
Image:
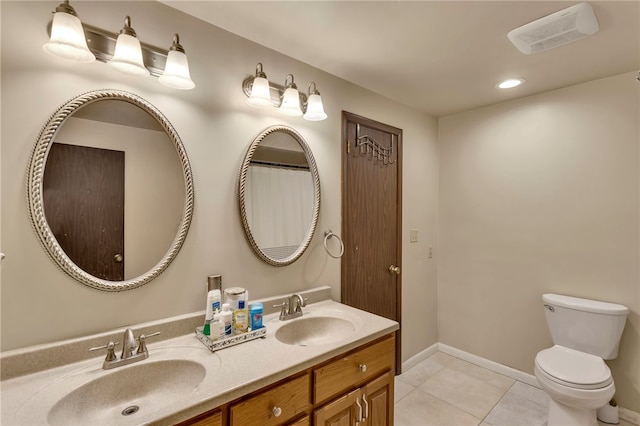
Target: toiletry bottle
<point>233,295</point>
<point>225,317</point>
<point>255,315</point>
<point>213,303</point>
<point>217,327</point>
<point>240,318</point>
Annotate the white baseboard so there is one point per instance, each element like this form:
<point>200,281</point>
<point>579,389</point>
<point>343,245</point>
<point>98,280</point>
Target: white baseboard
<point>625,414</point>
<point>419,357</point>
<point>630,416</point>
<point>490,365</point>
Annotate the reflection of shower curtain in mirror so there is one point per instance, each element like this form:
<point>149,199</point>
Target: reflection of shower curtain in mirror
<point>279,205</point>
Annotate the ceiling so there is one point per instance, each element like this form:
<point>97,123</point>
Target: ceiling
<point>440,57</point>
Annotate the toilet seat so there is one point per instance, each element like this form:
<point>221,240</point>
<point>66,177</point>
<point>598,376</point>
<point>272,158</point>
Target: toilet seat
<point>574,369</point>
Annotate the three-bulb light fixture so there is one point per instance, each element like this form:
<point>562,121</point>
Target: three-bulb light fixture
<point>287,100</point>
<point>70,40</point>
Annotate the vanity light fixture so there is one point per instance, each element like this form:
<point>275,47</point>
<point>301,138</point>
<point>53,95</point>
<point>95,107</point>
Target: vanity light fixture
<point>510,83</point>
<point>176,70</point>
<point>128,54</point>
<point>260,96</point>
<point>261,93</point>
<point>123,51</point>
<point>67,39</point>
<point>315,110</point>
<point>290,98</point>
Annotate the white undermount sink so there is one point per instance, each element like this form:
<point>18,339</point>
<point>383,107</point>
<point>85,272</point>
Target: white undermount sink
<point>315,330</point>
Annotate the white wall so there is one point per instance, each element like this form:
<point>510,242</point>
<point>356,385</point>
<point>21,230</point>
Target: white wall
<point>541,195</point>
<point>41,304</point>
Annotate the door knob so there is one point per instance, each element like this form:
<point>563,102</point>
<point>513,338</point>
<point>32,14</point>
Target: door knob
<point>118,258</point>
<point>394,269</point>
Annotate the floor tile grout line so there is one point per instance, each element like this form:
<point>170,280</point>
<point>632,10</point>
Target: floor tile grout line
<point>500,400</point>
<point>447,403</point>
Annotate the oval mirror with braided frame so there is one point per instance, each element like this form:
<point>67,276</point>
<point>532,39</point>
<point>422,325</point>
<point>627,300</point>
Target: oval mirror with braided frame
<point>279,195</point>
<point>36,180</point>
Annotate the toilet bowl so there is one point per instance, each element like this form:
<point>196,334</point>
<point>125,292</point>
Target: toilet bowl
<point>573,372</point>
<point>577,383</point>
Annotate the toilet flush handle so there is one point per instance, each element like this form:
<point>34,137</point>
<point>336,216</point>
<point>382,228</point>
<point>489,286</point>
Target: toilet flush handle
<point>549,307</point>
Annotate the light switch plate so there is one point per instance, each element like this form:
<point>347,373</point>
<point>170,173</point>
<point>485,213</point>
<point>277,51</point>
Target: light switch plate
<point>413,236</point>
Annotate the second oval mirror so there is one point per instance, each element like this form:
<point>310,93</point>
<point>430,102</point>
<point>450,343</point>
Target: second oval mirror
<point>279,195</point>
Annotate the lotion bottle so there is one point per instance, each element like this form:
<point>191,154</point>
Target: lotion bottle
<point>241,318</point>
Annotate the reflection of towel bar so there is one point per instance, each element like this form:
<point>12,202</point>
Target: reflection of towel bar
<point>328,234</point>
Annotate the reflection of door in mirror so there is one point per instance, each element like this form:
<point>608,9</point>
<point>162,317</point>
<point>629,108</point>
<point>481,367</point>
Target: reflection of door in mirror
<point>83,195</point>
<point>280,196</point>
<point>154,190</point>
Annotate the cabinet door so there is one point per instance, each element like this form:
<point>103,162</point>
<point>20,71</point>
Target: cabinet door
<point>377,399</point>
<point>305,421</point>
<point>341,412</point>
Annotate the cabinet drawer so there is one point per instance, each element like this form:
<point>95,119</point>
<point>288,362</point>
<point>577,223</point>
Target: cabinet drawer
<point>212,418</point>
<point>353,369</point>
<point>274,406</point>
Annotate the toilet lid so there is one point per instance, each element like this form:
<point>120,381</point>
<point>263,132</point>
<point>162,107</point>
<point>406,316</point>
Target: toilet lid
<point>574,368</point>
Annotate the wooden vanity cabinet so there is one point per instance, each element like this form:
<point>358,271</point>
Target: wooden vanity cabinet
<point>359,385</point>
<point>353,389</point>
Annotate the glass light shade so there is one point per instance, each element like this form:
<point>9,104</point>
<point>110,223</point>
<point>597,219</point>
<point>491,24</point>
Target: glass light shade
<point>176,72</point>
<point>128,56</point>
<point>67,39</point>
<point>290,103</point>
<point>260,96</point>
<point>315,110</point>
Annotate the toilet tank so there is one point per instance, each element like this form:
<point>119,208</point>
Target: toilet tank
<point>585,325</point>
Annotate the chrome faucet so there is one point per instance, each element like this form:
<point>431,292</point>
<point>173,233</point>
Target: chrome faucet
<point>129,345</point>
<point>292,308</point>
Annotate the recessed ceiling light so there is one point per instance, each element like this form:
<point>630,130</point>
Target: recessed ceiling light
<point>510,83</point>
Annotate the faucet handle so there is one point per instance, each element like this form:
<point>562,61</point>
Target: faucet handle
<point>142,346</point>
<point>285,309</point>
<point>111,355</point>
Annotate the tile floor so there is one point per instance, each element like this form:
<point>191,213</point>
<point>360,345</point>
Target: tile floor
<point>445,390</point>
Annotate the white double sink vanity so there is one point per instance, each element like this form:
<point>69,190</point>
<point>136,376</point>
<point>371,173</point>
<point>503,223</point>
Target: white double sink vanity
<point>334,358</point>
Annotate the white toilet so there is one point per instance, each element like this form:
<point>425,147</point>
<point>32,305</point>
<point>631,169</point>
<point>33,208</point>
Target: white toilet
<point>573,372</point>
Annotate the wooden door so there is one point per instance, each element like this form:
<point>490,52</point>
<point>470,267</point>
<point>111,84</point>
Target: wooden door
<point>341,412</point>
<point>378,399</point>
<point>84,206</point>
<point>372,218</point>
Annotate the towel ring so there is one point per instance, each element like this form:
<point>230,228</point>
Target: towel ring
<point>328,234</point>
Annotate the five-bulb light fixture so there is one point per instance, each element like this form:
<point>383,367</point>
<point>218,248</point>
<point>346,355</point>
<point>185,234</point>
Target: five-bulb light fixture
<point>287,98</point>
<point>70,40</point>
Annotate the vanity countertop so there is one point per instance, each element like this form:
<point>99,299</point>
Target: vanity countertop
<point>229,373</point>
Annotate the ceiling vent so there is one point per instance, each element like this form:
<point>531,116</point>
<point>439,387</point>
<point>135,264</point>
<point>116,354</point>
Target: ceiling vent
<point>557,29</point>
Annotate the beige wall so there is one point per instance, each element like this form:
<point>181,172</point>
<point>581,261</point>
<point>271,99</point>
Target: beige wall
<point>41,304</point>
<point>541,195</point>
